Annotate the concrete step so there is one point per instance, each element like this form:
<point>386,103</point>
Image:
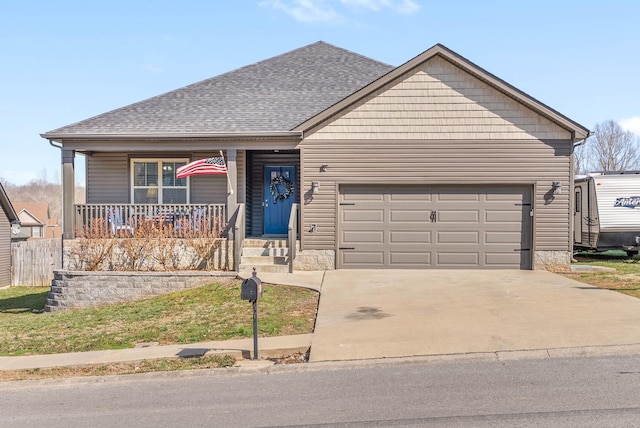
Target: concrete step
<point>262,260</point>
<point>272,252</point>
<point>247,270</point>
<point>264,243</point>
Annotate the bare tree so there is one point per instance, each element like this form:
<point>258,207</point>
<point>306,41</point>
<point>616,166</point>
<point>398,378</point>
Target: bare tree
<point>609,149</point>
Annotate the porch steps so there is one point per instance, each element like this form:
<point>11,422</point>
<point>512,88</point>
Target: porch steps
<point>266,255</point>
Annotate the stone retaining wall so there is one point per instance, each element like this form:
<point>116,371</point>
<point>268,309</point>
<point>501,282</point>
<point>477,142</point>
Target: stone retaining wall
<point>78,289</point>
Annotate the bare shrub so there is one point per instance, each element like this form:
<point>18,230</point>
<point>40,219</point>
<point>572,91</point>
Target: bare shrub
<point>150,246</point>
<point>93,248</point>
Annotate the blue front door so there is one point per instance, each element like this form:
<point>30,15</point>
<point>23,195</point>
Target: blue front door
<point>279,195</point>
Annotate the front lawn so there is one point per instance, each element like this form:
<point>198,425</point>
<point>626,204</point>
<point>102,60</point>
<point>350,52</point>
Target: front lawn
<point>625,279</point>
<point>208,313</point>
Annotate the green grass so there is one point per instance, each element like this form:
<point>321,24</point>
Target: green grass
<point>212,312</point>
<point>124,368</point>
<point>625,279</point>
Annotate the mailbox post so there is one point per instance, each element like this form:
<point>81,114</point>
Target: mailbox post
<point>251,290</point>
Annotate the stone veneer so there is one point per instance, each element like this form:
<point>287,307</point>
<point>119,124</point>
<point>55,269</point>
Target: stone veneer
<point>315,260</point>
<point>553,261</point>
<point>79,289</point>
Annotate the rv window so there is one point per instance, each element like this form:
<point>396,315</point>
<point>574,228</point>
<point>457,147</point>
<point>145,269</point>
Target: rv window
<point>578,200</point>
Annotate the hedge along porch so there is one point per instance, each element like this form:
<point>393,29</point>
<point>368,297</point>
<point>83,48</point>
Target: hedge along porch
<point>418,166</point>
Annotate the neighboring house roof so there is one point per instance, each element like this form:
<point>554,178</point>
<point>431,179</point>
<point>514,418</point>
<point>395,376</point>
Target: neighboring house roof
<point>579,131</point>
<point>33,213</point>
<point>271,96</point>
<point>6,205</point>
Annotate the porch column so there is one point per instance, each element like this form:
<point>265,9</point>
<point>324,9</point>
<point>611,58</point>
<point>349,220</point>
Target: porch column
<point>232,182</point>
<point>68,193</point>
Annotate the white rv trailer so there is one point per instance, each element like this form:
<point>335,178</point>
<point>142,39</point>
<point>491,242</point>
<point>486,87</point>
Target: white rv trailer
<point>607,212</point>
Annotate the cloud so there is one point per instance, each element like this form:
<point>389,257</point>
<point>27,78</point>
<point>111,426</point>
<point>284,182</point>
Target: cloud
<point>325,11</point>
<point>406,7</point>
<point>307,10</point>
<point>631,124</point>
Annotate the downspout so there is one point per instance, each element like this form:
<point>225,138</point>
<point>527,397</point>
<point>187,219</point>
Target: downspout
<point>572,191</point>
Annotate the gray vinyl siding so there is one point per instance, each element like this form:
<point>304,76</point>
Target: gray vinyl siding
<point>108,178</point>
<point>207,189</point>
<point>5,249</point>
<point>526,162</point>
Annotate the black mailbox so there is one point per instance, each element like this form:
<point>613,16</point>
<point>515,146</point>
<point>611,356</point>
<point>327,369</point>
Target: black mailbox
<point>251,288</point>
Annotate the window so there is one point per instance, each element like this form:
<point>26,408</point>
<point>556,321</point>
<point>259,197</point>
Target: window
<point>154,182</point>
<point>36,232</point>
<point>578,200</point>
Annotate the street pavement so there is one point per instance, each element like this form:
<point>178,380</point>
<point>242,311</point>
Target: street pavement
<point>373,314</point>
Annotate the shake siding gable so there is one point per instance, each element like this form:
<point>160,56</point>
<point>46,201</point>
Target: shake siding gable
<point>439,101</point>
<point>439,124</point>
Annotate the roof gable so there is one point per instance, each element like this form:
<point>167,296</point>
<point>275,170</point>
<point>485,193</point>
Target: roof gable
<point>273,95</point>
<point>6,205</point>
<point>413,66</point>
<point>33,213</point>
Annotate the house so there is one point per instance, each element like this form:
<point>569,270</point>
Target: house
<point>36,222</point>
<point>436,163</point>
<point>8,218</point>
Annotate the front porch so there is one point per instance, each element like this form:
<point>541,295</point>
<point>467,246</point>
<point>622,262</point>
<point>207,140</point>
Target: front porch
<point>128,194</point>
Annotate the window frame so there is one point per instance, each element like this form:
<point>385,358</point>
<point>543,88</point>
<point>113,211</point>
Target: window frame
<point>160,186</point>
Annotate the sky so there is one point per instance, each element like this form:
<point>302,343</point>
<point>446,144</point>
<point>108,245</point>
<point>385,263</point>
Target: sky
<point>65,61</point>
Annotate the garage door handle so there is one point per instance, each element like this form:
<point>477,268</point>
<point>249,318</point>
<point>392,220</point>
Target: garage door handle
<point>433,217</point>
<point>347,248</point>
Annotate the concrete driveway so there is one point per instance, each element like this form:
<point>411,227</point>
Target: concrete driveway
<point>376,314</point>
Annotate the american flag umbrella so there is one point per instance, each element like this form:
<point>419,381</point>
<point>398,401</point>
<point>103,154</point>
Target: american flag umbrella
<point>209,166</point>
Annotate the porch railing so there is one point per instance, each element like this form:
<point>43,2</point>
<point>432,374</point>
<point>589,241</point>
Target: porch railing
<point>124,220</point>
<point>237,225</point>
<point>292,235</point>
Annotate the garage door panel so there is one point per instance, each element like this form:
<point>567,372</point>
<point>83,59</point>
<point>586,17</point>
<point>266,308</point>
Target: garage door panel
<point>362,193</point>
<point>456,195</point>
<point>359,237</point>
<point>458,259</point>
<point>359,216</point>
<point>404,237</point>
<point>457,216</point>
<point>493,216</point>
<point>408,195</point>
<point>504,260</point>
<point>458,237</point>
<point>398,215</point>
<point>363,259</point>
<point>413,259</point>
<point>502,237</point>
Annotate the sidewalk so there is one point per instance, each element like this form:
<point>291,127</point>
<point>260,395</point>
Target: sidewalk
<point>240,349</point>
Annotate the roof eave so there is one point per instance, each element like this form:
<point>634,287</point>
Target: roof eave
<point>578,131</point>
<point>60,137</point>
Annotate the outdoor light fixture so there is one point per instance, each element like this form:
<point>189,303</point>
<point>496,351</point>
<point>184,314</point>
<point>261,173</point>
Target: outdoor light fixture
<point>315,187</point>
<point>557,187</point>
<point>323,167</point>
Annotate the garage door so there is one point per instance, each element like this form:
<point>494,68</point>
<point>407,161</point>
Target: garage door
<point>417,227</point>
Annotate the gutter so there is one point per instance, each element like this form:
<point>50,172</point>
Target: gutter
<point>173,136</point>
<point>583,141</point>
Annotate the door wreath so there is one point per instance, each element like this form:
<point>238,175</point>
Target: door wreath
<point>276,185</point>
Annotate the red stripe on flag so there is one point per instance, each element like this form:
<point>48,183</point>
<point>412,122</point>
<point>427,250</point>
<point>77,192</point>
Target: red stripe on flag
<point>209,166</point>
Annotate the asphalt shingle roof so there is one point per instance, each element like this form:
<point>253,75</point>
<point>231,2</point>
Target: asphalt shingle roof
<point>273,95</point>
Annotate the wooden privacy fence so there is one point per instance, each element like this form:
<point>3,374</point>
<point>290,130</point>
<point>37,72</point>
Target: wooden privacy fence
<point>34,261</point>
